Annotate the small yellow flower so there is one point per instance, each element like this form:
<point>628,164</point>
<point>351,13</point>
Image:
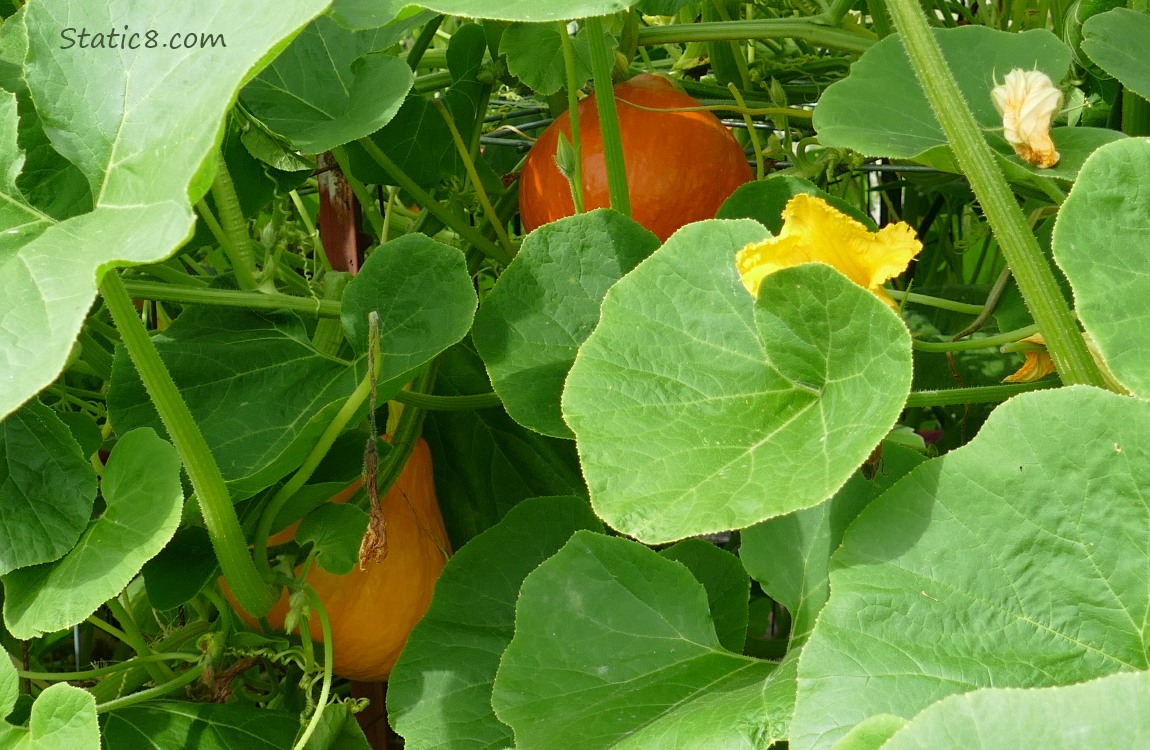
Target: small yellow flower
<point>1037,364</point>
<point>813,232</point>
<point>1028,100</point>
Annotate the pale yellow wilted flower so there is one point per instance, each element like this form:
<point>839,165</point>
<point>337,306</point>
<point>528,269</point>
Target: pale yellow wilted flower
<point>1028,100</point>
<point>814,232</point>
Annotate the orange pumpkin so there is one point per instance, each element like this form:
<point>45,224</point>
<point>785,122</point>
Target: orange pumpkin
<point>681,166</point>
<point>373,610</point>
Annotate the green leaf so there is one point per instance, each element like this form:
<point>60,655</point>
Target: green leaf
<point>144,497</point>
<point>546,303</point>
<point>63,718</point>
<point>231,365</point>
<point>336,529</point>
<point>640,666</point>
<point>47,488</point>
<point>199,726</point>
<point>425,300</point>
<point>526,10</point>
<point>1102,243</point>
<point>1109,712</point>
<point>1113,40</point>
<point>880,108</point>
<point>19,221</point>
<point>439,694</point>
<point>182,568</point>
<point>764,201</point>
<point>327,88</point>
<point>790,555</point>
<point>373,14</point>
<point>1018,560</point>
<point>485,463</point>
<point>9,686</point>
<point>534,54</point>
<point>118,116</point>
<point>697,409</point>
<point>871,733</point>
<point>727,585</point>
<point>338,729</point>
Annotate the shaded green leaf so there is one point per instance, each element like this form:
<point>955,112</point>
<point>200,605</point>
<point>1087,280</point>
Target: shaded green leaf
<point>393,15</point>
<point>880,108</point>
<point>737,411</point>
<point>336,530</point>
<point>1115,40</point>
<point>47,488</point>
<point>327,88</point>
<point>790,555</point>
<point>182,568</point>
<point>764,201</point>
<point>534,54</point>
<point>546,303</point>
<point>118,116</point>
<point>640,667</point>
<point>526,10</point>
<point>1018,560</point>
<point>163,724</point>
<point>144,497</point>
<point>439,695</point>
<point>1102,243</point>
<point>726,583</point>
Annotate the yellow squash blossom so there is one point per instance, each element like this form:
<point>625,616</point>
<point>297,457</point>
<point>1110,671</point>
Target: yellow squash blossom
<point>1037,364</point>
<point>1028,100</point>
<point>814,232</point>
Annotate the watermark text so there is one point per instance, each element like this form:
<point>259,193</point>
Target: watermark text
<point>81,38</point>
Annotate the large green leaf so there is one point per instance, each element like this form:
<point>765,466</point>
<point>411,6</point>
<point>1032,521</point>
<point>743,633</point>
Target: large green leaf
<point>485,463</point>
<point>144,497</point>
<point>790,555</point>
<point>534,53</point>
<point>1018,560</point>
<point>697,409</point>
<point>439,695</point>
<point>63,718</point>
<point>47,488</point>
<point>1116,40</point>
<point>639,665</point>
<point>1102,243</point>
<point>526,10</point>
<point>880,108</point>
<point>546,303</point>
<point>328,88</point>
<point>726,583</point>
<point>138,124</point>
<point>163,724</point>
<point>1111,712</point>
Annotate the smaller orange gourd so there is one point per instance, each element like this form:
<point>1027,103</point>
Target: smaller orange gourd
<point>373,610</point>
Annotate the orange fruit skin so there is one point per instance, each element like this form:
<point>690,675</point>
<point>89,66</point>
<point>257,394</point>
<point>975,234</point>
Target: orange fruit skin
<point>681,166</point>
<point>372,611</point>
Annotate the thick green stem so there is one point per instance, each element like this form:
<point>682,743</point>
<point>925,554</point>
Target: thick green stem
<point>92,674</point>
<point>939,302</point>
<point>573,108</point>
<point>448,403</point>
<point>601,65</point>
<point>759,28</point>
<point>215,502</point>
<point>135,640</point>
<point>988,342</point>
<point>187,678</point>
<point>124,681</point>
<point>198,295</point>
<point>987,394</point>
<point>239,242</point>
<point>1033,273</point>
<point>328,651</point>
<point>434,207</point>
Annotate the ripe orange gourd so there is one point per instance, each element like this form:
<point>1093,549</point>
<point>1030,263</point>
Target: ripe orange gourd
<point>372,611</point>
<point>681,166</point>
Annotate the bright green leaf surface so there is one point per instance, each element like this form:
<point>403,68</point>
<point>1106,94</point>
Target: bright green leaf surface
<point>144,497</point>
<point>1112,712</point>
<point>726,583</point>
<point>47,488</point>
<point>880,109</point>
<point>63,718</point>
<point>640,665</point>
<point>872,733</point>
<point>790,555</point>
<point>336,530</point>
<point>166,725</point>
<point>1116,41</point>
<point>9,686</point>
<point>1018,560</point>
<point>697,410</point>
<point>260,393</point>
<point>138,124</point>
<point>1102,243</point>
<point>327,88</point>
<point>19,222</point>
<point>526,10</point>
<point>535,55</point>
<point>439,696</point>
<point>370,14</point>
<point>764,201</point>
<point>485,463</point>
<point>546,303</point>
